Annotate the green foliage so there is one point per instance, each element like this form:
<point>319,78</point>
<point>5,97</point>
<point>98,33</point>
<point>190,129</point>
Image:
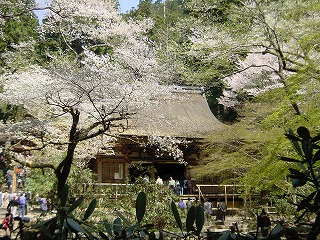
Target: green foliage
<point>304,174</point>
<point>65,221</point>
<point>19,26</point>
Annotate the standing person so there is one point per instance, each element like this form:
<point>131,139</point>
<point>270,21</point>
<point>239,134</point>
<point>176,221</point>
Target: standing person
<point>264,223</point>
<point>43,206</point>
<point>13,205</point>
<point>5,199</point>
<point>177,187</point>
<point>1,198</point>
<point>207,206</point>
<point>222,209</point>
<point>21,205</point>
<point>185,188</point>
<point>8,177</point>
<point>159,181</point>
<point>7,222</point>
<point>189,203</point>
<point>172,183</point>
<point>189,186</point>
<point>28,198</point>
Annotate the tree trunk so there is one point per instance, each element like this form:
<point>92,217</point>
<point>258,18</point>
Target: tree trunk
<point>63,170</point>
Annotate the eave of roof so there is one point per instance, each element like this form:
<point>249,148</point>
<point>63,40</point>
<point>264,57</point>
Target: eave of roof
<point>186,115</point>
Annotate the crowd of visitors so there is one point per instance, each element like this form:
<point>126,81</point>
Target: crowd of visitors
<point>18,205</point>
<point>180,187</point>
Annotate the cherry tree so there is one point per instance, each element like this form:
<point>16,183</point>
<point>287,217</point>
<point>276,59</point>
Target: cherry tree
<point>82,94</point>
<point>274,42</point>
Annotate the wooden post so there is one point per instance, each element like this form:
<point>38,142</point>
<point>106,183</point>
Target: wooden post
<point>14,180</point>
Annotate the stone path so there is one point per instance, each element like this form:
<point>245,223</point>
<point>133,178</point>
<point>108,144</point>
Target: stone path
<point>33,214</point>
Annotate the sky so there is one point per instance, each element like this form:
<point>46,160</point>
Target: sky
<point>126,5</point>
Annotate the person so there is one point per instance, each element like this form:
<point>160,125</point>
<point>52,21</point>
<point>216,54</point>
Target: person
<point>1,198</point>
<point>13,204</point>
<point>177,188</point>
<point>189,186</point>
<point>8,178</point>
<point>264,223</point>
<point>159,181</point>
<point>185,188</point>
<point>171,183</point>
<point>44,206</point>
<point>207,206</point>
<point>7,222</point>
<point>181,188</point>
<point>222,209</point>
<point>189,204</point>
<point>21,205</point>
<point>28,198</point>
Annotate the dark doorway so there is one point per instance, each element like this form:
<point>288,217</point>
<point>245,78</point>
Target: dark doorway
<point>165,171</point>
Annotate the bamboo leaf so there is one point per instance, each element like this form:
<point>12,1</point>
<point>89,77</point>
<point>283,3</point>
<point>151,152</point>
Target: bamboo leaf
<point>191,217</point>
<point>104,237</point>
<point>46,232</point>
<point>176,214</point>
<point>316,156</point>
<point>141,204</point>
<point>304,133</point>
<point>290,159</point>
<point>90,209</point>
<point>298,182</point>
<point>117,226</point>
<point>199,219</point>
<point>108,227</point>
<point>306,201</point>
<point>75,226</point>
<point>276,230</point>
<point>75,204</point>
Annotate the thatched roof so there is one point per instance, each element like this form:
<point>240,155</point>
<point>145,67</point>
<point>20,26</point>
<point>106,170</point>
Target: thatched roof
<point>186,115</point>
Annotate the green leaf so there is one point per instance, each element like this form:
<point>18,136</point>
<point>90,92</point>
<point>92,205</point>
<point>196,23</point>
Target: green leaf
<point>176,214</point>
<point>191,217</point>
<point>199,219</point>
<point>108,227</point>
<point>46,232</point>
<point>304,204</point>
<point>295,141</point>
<point>141,204</point>
<point>75,226</point>
<point>304,133</point>
<point>297,173</point>
<point>316,156</point>
<point>301,216</point>
<point>64,195</point>
<point>316,138</point>
<point>290,159</point>
<point>75,204</point>
<point>298,182</point>
<point>123,218</point>
<point>224,236</point>
<point>105,237</point>
<point>317,199</point>
<point>276,230</point>
<point>90,209</point>
<point>117,226</point>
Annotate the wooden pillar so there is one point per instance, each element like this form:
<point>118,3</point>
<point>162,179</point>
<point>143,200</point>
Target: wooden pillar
<point>14,180</point>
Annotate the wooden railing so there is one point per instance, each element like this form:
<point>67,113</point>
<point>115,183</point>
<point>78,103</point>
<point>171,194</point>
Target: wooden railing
<point>226,192</point>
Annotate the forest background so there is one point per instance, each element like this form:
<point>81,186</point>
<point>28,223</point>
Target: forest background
<point>258,61</point>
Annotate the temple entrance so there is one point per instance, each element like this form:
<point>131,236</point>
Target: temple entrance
<point>176,171</point>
